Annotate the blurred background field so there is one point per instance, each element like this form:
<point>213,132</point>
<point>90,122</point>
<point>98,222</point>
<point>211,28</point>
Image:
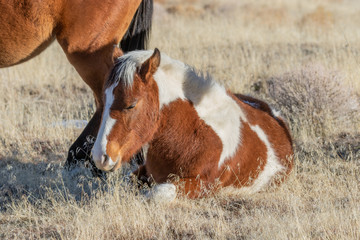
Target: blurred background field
<point>303,57</point>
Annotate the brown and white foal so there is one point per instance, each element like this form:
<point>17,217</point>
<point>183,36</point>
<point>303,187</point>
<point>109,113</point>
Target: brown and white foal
<point>191,126</point>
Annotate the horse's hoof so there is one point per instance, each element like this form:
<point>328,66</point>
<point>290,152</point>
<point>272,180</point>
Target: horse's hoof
<point>98,173</point>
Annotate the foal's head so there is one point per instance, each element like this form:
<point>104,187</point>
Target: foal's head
<point>130,115</point>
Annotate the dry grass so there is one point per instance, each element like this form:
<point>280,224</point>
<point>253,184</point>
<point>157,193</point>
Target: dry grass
<point>243,44</point>
<point>318,99</point>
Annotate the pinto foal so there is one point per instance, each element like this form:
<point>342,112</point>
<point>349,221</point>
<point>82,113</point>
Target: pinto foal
<point>191,127</point>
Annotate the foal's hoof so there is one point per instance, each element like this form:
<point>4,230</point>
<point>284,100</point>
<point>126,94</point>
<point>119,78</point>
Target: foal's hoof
<point>162,193</point>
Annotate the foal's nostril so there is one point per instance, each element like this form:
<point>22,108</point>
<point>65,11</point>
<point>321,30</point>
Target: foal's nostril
<point>106,158</point>
<point>104,162</point>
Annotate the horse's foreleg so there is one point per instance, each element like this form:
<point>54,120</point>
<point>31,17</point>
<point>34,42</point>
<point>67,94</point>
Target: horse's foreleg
<point>93,68</point>
<point>80,150</point>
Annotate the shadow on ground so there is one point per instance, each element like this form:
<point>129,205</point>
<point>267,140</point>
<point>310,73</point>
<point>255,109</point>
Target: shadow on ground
<point>34,181</point>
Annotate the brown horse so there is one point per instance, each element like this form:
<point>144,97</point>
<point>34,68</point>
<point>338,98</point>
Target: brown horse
<point>88,31</point>
<point>191,127</point>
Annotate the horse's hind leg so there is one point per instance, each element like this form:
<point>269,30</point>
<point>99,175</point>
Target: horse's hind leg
<point>190,187</point>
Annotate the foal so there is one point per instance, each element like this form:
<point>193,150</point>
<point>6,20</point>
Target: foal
<point>191,126</point>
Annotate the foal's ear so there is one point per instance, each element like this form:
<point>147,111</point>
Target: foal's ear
<point>149,67</point>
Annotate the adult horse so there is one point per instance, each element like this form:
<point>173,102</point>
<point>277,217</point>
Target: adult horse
<point>192,127</point>
<point>88,31</point>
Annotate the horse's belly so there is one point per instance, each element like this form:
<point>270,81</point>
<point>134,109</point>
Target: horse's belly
<point>12,53</point>
<point>9,58</point>
<point>26,29</point>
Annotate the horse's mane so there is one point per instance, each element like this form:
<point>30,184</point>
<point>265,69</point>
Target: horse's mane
<point>137,35</point>
<point>125,67</point>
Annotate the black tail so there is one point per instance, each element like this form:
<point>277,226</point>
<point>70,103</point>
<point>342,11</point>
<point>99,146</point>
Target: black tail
<point>138,33</point>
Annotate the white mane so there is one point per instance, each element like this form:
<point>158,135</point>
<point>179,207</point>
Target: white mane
<point>177,80</point>
<point>126,66</point>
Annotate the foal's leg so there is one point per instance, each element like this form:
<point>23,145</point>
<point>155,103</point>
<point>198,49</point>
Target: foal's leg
<point>191,187</point>
<point>164,192</point>
<point>188,187</point>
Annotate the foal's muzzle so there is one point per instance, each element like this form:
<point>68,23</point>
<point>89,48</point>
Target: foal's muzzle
<point>104,163</point>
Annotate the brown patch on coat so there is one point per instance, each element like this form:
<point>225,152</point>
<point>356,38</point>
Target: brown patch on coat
<point>184,145</point>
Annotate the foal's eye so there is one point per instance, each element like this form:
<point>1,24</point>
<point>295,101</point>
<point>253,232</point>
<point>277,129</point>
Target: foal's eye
<point>131,106</point>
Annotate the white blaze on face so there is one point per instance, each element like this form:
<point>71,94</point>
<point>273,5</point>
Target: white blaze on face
<point>107,123</point>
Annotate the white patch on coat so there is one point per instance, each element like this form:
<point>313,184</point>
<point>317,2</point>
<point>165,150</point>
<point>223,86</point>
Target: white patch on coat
<point>107,123</point>
<point>218,110</point>
<point>271,168</point>
<point>170,78</point>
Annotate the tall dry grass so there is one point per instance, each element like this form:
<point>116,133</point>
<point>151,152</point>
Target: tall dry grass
<point>245,45</point>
